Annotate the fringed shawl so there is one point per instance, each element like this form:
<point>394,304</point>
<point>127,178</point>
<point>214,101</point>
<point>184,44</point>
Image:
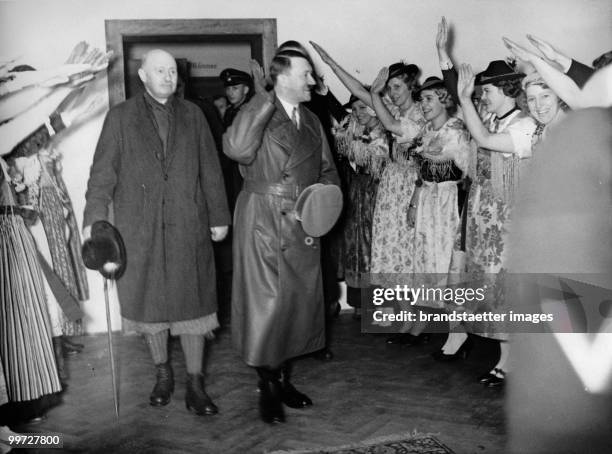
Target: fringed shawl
<point>505,167</point>
<point>365,148</point>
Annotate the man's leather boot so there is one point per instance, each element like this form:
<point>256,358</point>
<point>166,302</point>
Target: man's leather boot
<point>196,399</point>
<point>163,387</point>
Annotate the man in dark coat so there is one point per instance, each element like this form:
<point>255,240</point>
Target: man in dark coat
<point>156,162</point>
<point>277,298</point>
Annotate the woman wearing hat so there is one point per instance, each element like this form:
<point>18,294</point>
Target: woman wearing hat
<point>361,140</point>
<point>443,153</point>
<point>504,139</point>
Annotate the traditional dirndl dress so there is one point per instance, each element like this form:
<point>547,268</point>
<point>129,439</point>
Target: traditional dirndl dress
<point>26,350</point>
<point>366,151</point>
<point>392,237</point>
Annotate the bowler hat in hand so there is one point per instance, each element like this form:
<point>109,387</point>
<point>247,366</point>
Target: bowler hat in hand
<point>318,208</point>
<point>104,247</point>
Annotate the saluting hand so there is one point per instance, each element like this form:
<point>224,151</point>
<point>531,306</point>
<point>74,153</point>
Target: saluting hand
<point>442,36</point>
<point>259,80</point>
<point>322,53</point>
<point>519,51</point>
<point>378,86</point>
<point>465,82</point>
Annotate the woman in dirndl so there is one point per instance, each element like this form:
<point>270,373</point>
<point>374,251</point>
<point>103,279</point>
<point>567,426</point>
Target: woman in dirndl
<point>360,140</point>
<point>443,152</point>
<point>504,137</point>
<point>26,350</point>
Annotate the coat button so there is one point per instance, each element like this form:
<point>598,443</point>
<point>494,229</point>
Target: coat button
<point>283,212</point>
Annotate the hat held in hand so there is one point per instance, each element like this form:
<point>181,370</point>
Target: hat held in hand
<point>104,251</point>
<point>318,208</point>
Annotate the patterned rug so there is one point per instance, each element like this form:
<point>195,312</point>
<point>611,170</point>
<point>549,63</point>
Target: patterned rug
<point>392,444</point>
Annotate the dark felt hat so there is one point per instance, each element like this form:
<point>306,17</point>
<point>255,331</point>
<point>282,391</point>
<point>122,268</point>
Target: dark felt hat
<point>103,247</point>
<point>318,208</point>
<point>497,71</point>
<point>432,82</point>
<point>231,76</point>
<point>397,69</point>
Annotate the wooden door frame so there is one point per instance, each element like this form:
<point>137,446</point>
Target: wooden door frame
<point>122,31</point>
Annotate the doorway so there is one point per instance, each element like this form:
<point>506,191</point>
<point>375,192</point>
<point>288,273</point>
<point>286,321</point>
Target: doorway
<point>202,48</point>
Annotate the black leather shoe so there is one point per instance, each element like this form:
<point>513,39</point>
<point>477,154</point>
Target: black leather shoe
<point>196,399</point>
<point>270,402</point>
<point>325,354</point>
<point>462,353</point>
<point>407,339</point>
<point>494,380</point>
<point>163,387</point>
<point>484,378</point>
<point>333,309</point>
<point>62,369</point>
<point>293,398</point>
<point>71,348</point>
<point>397,338</point>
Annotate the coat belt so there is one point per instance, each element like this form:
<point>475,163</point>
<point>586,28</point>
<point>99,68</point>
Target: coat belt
<point>290,191</point>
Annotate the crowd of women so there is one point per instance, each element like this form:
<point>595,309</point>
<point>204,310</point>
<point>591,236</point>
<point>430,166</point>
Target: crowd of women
<point>42,277</point>
<point>431,172</point>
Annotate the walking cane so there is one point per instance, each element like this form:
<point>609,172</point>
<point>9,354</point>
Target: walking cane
<point>110,350</point>
<point>105,252</point>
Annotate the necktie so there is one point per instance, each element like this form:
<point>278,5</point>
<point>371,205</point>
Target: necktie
<point>294,118</point>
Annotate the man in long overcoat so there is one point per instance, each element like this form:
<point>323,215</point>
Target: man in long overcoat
<point>277,299</point>
<point>156,162</point>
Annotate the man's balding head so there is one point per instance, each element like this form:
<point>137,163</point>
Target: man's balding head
<point>158,74</point>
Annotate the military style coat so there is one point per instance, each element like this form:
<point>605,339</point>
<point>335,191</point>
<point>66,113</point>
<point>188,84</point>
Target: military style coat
<point>277,299</point>
<point>163,208</point>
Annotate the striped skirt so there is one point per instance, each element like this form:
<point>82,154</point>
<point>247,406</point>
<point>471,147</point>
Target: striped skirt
<point>26,350</point>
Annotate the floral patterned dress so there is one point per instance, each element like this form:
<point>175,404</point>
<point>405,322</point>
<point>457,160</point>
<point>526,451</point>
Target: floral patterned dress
<point>392,238</point>
<point>489,205</point>
<point>366,151</point>
<point>444,156</point>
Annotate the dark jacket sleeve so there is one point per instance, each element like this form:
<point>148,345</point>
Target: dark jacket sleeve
<point>579,73</point>
<point>211,177</point>
<point>334,107</point>
<point>243,138</point>
<point>450,81</point>
<point>328,173</point>
<point>104,170</point>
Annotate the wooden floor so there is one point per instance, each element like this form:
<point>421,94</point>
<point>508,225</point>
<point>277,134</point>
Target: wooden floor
<point>370,389</point>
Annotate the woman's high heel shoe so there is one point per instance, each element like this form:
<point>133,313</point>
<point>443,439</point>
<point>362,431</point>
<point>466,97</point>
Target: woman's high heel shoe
<point>462,353</point>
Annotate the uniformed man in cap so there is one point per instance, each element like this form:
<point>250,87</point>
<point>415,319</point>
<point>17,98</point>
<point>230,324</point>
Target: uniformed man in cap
<point>238,89</point>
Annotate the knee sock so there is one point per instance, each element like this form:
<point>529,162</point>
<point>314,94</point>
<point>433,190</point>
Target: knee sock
<point>504,353</point>
<point>453,343</point>
<point>193,348</point>
<point>158,346</point>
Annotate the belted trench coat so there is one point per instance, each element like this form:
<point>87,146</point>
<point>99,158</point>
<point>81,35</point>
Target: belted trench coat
<point>277,298</point>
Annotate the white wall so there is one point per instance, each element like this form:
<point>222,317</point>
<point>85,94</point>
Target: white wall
<point>363,35</point>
